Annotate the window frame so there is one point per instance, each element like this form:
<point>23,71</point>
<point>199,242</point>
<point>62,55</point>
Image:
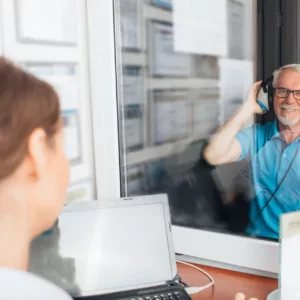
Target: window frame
<point>255,254</point>
<point>103,96</point>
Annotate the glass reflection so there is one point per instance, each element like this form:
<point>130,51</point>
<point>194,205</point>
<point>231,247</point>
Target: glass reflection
<point>46,261</point>
<point>195,135</point>
<point>271,150</point>
<point>110,244</point>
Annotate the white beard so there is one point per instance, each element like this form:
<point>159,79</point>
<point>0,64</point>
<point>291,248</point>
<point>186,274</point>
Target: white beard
<point>285,122</point>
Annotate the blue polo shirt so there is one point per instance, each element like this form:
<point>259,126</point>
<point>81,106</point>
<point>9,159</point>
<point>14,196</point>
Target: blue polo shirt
<point>269,158</point>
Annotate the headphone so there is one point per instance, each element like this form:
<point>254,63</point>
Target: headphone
<point>266,94</point>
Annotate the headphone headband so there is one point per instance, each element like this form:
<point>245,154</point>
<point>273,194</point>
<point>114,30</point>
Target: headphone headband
<point>266,84</point>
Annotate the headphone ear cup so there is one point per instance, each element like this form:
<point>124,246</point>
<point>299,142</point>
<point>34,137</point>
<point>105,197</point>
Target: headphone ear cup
<point>262,98</point>
<point>265,95</point>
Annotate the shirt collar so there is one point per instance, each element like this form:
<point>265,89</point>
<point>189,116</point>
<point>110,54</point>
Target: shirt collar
<point>273,131</point>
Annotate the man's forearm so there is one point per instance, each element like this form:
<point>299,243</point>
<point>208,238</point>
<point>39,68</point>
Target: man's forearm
<point>221,142</point>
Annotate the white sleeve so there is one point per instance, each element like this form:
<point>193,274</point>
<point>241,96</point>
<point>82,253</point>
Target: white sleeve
<point>16,285</point>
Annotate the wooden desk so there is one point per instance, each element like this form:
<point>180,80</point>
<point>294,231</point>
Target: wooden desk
<point>227,283</point>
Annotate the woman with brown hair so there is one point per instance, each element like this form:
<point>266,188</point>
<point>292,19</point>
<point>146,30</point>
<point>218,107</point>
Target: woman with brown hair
<point>34,175</point>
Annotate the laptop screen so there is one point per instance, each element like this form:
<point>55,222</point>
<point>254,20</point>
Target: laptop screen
<point>105,250</point>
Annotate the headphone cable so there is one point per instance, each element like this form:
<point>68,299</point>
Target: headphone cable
<point>251,223</point>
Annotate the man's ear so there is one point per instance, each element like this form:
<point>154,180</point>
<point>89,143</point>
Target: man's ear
<point>37,150</point>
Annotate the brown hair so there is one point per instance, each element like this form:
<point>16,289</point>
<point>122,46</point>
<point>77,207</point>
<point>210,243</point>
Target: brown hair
<point>26,103</point>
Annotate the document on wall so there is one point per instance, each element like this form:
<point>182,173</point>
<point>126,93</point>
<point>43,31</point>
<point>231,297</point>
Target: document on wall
<point>200,26</point>
<point>132,105</point>
<point>236,78</point>
<point>132,85</point>
<point>236,29</point>
<point>206,66</point>
<point>133,126</point>
<point>47,21</point>
<point>72,135</point>
<point>170,118</point>
<point>79,192</point>
<point>63,77</point>
<point>289,256</point>
<point>164,60</point>
<point>130,23</point>
<point>206,111</point>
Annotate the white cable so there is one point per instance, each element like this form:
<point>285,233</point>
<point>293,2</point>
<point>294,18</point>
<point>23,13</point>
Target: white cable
<point>196,289</point>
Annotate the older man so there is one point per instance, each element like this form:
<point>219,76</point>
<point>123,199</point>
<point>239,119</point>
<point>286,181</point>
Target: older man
<point>272,150</point>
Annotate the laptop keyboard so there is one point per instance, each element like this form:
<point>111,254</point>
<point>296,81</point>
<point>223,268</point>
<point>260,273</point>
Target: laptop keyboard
<point>162,296</point>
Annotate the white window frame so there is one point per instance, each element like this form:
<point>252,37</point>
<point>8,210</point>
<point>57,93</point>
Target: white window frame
<point>245,252</point>
<point>104,94</point>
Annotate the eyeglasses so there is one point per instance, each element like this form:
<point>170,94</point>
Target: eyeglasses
<point>284,93</point>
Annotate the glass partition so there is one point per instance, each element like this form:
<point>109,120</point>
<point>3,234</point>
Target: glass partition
<point>184,70</point>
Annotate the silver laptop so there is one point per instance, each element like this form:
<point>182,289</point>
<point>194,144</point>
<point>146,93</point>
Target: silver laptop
<point>121,249</point>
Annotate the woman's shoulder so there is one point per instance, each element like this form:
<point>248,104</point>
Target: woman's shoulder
<point>16,284</point>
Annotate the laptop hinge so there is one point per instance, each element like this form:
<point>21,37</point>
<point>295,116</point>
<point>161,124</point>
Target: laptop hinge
<point>174,281</point>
